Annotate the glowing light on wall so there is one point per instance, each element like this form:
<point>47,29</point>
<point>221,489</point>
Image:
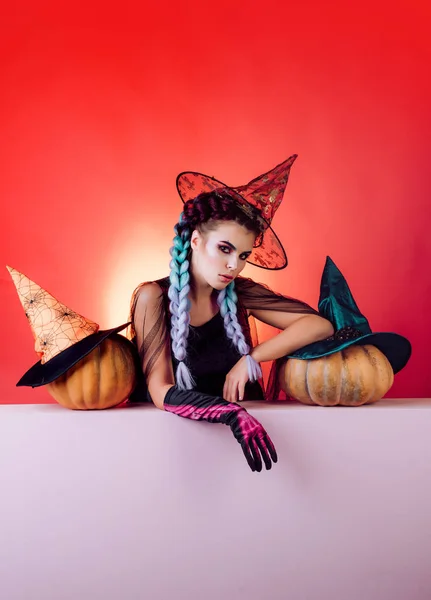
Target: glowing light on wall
<point>140,253</point>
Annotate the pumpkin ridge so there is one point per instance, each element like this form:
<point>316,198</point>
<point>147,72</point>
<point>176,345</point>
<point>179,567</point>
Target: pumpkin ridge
<point>108,369</point>
<point>331,381</point>
<point>344,376</point>
<point>373,362</point>
<point>390,373</point>
<point>92,391</point>
<point>77,392</point>
<point>77,399</point>
<point>323,388</point>
<point>123,364</point>
<point>126,373</point>
<point>121,359</point>
<point>326,379</point>
<point>307,389</point>
<point>314,391</point>
<point>113,371</point>
<point>130,362</point>
<point>340,386</point>
<point>364,380</point>
<point>358,386</point>
<point>355,374</point>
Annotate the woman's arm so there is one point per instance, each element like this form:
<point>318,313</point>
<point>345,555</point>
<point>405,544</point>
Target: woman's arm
<point>297,331</point>
<point>149,323</point>
<point>153,342</point>
<point>300,324</point>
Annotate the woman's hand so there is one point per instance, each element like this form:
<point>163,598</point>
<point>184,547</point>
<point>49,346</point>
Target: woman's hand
<point>234,385</point>
<point>255,442</point>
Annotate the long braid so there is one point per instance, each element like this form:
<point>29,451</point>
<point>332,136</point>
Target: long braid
<point>179,303</point>
<point>227,300</point>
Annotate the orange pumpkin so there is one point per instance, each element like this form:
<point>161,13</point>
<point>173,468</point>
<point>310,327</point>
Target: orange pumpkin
<point>351,377</point>
<point>102,379</point>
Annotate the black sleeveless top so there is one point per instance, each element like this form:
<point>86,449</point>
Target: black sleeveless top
<point>210,355</point>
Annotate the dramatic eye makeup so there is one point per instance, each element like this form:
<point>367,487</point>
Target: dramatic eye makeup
<point>226,247</point>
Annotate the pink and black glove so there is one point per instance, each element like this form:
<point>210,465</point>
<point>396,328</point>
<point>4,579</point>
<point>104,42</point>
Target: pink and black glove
<point>255,442</point>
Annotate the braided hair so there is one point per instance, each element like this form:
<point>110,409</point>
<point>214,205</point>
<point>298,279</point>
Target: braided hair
<point>203,213</point>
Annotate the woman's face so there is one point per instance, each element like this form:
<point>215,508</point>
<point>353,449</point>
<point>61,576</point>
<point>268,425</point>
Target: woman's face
<point>220,255</point>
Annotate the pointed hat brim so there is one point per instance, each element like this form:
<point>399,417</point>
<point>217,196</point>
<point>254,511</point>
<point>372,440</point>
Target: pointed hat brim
<point>41,374</point>
<point>395,347</point>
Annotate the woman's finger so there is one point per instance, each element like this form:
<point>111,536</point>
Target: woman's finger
<point>264,452</point>
<point>256,455</point>
<point>225,388</point>
<point>241,391</point>
<point>248,456</point>
<point>230,394</point>
<point>271,448</point>
<point>234,392</point>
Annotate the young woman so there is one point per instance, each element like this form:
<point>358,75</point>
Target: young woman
<point>191,329</point>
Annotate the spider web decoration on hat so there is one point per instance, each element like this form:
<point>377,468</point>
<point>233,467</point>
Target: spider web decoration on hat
<point>55,327</point>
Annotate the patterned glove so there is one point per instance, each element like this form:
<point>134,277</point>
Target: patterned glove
<point>255,442</point>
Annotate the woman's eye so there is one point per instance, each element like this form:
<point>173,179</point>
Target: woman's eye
<point>227,250</point>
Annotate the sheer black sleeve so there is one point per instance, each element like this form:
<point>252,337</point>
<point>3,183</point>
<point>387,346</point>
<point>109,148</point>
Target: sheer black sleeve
<point>257,296</point>
<point>149,331</point>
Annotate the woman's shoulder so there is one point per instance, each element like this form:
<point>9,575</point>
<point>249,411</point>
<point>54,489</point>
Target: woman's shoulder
<point>151,291</point>
<point>250,290</point>
<point>245,284</point>
<point>241,281</point>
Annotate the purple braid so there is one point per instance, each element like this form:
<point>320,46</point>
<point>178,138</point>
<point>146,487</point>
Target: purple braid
<point>227,300</point>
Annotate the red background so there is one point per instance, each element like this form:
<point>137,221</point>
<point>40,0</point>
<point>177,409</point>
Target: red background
<point>101,108</point>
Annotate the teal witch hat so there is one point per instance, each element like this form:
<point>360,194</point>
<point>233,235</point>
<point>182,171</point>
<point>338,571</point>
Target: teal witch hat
<point>337,304</point>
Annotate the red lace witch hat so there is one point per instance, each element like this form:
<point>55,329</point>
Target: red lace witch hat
<point>259,199</point>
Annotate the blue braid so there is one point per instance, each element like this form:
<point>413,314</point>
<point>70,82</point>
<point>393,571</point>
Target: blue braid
<point>179,305</point>
<point>227,300</point>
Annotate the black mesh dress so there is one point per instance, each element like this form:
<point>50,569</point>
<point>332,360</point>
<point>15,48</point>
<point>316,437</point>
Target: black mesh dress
<point>210,353</point>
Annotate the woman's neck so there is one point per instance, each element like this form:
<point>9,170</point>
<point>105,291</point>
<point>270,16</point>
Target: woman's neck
<point>200,290</point>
